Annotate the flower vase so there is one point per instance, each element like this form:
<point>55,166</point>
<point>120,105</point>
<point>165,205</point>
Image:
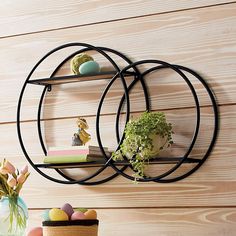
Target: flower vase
<point>13,216</point>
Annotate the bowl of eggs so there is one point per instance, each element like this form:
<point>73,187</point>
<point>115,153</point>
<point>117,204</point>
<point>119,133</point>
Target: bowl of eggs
<point>67,221</point>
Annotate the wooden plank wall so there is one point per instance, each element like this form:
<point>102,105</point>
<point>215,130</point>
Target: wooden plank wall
<point>198,34</point>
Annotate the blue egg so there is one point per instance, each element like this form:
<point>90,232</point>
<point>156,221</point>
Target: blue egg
<point>45,215</point>
<point>89,67</point>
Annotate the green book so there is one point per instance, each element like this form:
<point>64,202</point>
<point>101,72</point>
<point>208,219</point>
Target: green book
<point>73,159</point>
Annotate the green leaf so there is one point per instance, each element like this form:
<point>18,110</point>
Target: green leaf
<point>139,140</point>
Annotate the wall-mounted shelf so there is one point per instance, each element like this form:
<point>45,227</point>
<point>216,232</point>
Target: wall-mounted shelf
<point>111,76</point>
<point>76,78</point>
<point>159,160</point>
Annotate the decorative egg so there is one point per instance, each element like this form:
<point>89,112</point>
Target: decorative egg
<point>89,67</point>
<point>37,231</point>
<point>77,215</point>
<point>90,215</point>
<point>81,209</point>
<point>45,215</point>
<point>78,60</point>
<point>68,209</point>
<point>58,215</point>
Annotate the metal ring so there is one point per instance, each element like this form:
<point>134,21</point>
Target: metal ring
<point>162,63</point>
<point>89,47</point>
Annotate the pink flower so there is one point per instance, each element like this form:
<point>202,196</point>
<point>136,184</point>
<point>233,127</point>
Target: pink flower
<point>7,167</point>
<point>21,178</point>
<point>24,170</point>
<point>11,182</point>
<point>3,170</point>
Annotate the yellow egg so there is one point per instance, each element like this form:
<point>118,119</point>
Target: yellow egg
<point>90,215</point>
<point>58,215</point>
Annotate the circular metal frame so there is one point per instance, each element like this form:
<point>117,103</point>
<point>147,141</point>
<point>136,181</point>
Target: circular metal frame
<point>139,77</point>
<point>100,50</point>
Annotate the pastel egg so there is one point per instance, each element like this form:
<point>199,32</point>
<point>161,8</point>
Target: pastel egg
<point>58,215</point>
<point>45,215</point>
<point>37,231</point>
<point>77,215</point>
<point>89,67</point>
<point>90,215</point>
<point>78,60</point>
<point>68,209</point>
<point>81,209</point>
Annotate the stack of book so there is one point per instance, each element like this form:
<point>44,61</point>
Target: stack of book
<point>75,154</point>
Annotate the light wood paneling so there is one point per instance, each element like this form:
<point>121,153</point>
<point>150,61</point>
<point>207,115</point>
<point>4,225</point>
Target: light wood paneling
<point>204,41</point>
<point>31,16</point>
<point>120,193</point>
<point>202,38</point>
<point>211,185</point>
<point>161,222</point>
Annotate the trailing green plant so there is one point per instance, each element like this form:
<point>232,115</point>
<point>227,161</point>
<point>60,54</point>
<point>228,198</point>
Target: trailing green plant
<point>144,138</point>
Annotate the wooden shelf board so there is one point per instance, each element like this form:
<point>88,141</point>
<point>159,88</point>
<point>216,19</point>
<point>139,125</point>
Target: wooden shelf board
<point>77,78</point>
<point>160,160</point>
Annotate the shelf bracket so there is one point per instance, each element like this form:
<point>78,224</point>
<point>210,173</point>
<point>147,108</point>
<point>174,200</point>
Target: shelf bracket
<point>49,87</point>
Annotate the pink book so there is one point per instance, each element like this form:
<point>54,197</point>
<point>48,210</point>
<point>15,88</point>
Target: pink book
<point>68,152</point>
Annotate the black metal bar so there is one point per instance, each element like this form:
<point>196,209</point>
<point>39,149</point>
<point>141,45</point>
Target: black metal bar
<point>159,160</point>
<point>72,78</point>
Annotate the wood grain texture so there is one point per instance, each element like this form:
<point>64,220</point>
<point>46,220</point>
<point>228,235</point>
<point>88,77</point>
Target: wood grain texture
<point>27,16</point>
<point>211,185</point>
<point>161,222</point>
<point>204,41</point>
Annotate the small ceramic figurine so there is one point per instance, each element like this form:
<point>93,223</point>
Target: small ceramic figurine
<point>81,137</point>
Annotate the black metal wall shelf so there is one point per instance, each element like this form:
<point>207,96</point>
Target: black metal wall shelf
<point>111,76</point>
<point>77,78</point>
<point>159,160</point>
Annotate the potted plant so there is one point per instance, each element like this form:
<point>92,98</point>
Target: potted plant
<point>144,138</point>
